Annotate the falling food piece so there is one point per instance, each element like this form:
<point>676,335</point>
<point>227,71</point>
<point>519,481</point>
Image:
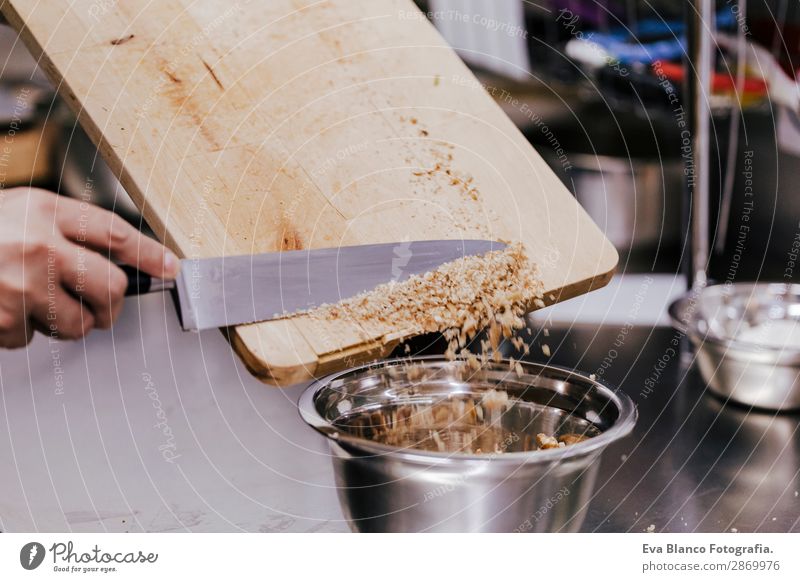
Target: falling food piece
<point>440,444</point>
<point>458,300</point>
<point>495,399</point>
<point>460,423</point>
<point>546,350</point>
<point>491,292</point>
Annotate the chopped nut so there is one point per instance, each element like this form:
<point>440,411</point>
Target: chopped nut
<point>572,438</point>
<point>459,299</point>
<point>544,441</point>
<point>495,399</point>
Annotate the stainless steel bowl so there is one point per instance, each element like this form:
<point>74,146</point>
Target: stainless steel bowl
<point>413,486</point>
<point>760,371</point>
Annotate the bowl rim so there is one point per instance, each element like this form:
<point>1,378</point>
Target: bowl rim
<point>626,420</point>
<point>781,355</point>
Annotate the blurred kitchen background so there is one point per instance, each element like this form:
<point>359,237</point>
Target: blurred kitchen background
<point>596,85</point>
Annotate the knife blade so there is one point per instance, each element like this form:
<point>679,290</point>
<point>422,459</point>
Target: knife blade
<point>235,290</point>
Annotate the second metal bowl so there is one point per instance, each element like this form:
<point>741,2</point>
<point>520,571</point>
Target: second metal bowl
<point>743,337</point>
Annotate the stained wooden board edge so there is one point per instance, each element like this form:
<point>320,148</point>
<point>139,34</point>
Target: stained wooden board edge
<point>271,374</point>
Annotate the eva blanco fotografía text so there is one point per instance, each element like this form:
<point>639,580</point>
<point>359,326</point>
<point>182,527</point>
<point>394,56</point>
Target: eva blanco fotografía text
<point>714,549</point>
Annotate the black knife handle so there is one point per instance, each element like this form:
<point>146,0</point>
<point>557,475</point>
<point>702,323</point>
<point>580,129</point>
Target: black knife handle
<point>140,283</point>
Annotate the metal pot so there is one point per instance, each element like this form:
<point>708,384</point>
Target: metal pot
<point>509,486</point>
<point>762,373</point>
<point>636,202</point>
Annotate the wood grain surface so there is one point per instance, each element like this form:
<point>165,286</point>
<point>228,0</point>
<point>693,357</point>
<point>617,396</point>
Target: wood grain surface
<point>248,127</point>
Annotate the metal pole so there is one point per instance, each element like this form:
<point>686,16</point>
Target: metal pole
<point>700,43</point>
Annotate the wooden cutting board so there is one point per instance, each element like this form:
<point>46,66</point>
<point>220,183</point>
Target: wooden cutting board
<point>248,127</point>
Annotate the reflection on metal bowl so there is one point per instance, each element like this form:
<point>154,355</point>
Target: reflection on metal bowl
<point>733,329</point>
<point>426,482</point>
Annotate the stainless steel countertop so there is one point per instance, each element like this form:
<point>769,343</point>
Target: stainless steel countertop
<point>94,459</point>
<point>693,462</point>
<point>95,456</point>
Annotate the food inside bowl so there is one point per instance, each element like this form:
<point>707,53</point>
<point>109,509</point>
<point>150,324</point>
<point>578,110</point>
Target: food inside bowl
<point>474,461</point>
<point>772,333</point>
<point>483,423</point>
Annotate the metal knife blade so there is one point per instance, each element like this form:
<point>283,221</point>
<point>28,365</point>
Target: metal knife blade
<point>236,290</point>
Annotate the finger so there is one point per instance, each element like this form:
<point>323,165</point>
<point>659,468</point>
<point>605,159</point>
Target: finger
<point>100,283</point>
<point>104,231</point>
<point>13,317</point>
<point>61,315</point>
<point>18,336</point>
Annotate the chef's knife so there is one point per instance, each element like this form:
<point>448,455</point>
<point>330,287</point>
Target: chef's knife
<point>236,290</point>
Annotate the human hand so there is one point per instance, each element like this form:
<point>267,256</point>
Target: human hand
<point>55,270</point>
